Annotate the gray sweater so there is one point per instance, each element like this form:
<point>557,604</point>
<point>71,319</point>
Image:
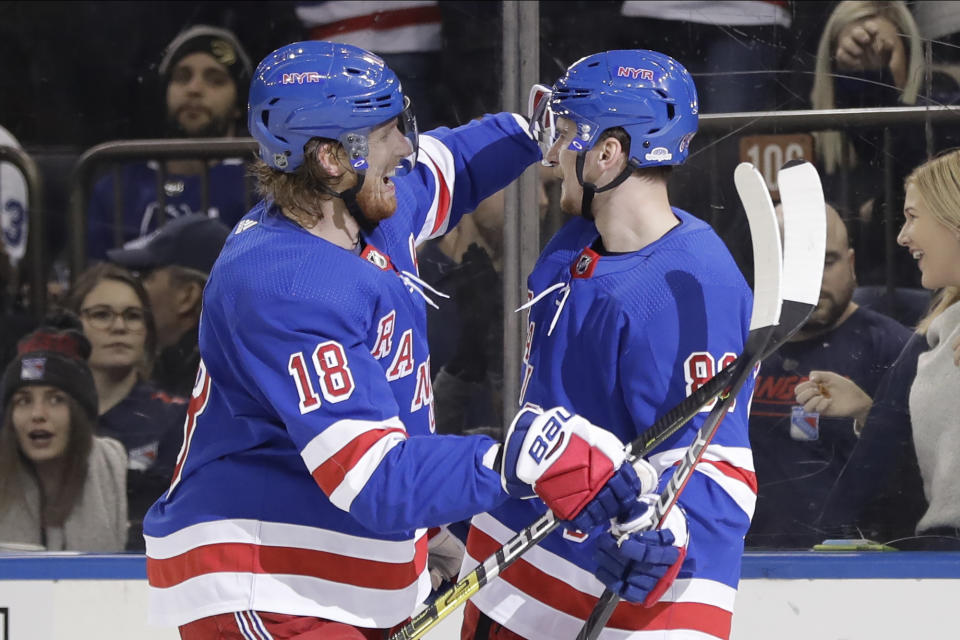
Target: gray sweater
<point>935,418</point>
<point>97,523</point>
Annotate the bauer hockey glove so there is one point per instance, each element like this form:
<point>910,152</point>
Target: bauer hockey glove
<point>639,563</point>
<point>575,467</point>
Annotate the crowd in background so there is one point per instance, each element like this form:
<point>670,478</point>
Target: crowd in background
<point>95,395</point>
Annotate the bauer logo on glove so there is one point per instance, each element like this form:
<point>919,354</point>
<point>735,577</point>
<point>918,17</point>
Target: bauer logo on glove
<point>575,467</point>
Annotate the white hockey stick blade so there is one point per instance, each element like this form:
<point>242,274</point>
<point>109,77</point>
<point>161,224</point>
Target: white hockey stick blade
<point>803,204</point>
<point>753,193</point>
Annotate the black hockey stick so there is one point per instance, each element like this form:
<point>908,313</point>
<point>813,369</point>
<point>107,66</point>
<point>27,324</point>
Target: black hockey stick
<point>669,423</point>
<point>804,247</point>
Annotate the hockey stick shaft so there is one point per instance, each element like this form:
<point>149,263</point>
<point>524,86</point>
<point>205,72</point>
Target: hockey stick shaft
<point>804,245</point>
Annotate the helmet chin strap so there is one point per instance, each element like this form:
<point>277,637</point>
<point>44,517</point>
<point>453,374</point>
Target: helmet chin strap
<point>349,198</point>
<point>590,189</point>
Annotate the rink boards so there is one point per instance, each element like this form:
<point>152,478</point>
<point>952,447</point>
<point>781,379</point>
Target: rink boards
<point>788,596</point>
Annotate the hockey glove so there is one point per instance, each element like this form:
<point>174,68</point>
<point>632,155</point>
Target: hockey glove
<point>444,556</point>
<point>575,467</point>
<point>639,563</point>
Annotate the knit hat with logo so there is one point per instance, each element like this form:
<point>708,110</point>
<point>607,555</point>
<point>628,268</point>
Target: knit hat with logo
<point>55,355</point>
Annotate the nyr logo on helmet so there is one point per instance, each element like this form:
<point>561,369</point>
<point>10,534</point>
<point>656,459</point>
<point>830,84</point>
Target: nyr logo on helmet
<point>634,73</point>
<point>300,78</point>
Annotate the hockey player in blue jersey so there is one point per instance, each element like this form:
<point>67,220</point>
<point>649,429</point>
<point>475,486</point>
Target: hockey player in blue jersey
<point>309,472</point>
<point>633,305</point>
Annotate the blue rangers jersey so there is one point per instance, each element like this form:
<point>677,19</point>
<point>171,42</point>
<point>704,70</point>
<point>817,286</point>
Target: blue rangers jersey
<point>621,339</point>
<point>309,473</point>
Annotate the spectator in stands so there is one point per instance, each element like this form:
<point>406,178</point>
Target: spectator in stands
<point>799,455</point>
<point>118,321</point>
<point>61,487</point>
<point>871,55</point>
<point>931,233</point>
<point>174,263</point>
<point>205,73</point>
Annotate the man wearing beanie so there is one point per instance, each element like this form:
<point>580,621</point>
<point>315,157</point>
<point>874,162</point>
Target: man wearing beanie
<point>204,75</point>
<point>61,488</point>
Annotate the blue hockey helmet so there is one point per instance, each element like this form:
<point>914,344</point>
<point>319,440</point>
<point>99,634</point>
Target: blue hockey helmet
<point>649,94</point>
<point>327,90</point>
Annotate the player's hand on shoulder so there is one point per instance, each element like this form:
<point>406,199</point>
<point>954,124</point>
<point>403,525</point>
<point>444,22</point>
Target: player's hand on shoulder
<point>575,467</point>
<point>638,562</point>
<point>831,394</point>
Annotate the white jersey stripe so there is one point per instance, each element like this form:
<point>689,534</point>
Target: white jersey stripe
<point>739,491</point>
<point>296,595</point>
<point>695,590</point>
<point>258,624</point>
<point>437,158</point>
<point>338,435</point>
<point>740,457</point>
<point>244,626</point>
<point>277,534</point>
<point>533,619</point>
<point>326,12</point>
<point>356,479</point>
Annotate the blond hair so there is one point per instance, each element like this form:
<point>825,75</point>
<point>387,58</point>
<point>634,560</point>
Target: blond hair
<point>832,144</point>
<point>301,192</point>
<point>937,182</point>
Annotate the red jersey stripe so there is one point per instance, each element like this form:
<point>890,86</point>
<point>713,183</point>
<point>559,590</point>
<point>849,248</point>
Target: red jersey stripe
<point>745,476</point>
<point>250,558</point>
<point>379,21</point>
<point>330,474</point>
<point>555,593</point>
<point>443,198</point>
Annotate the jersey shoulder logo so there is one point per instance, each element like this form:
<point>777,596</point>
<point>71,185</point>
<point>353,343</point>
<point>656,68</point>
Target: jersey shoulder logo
<point>376,257</point>
<point>585,264</point>
<point>244,225</point>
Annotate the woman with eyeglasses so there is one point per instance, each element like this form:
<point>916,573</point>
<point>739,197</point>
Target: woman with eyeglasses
<point>61,488</point>
<point>117,319</point>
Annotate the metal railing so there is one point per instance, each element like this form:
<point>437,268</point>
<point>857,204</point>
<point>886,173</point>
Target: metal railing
<point>128,150</point>
<point>34,257</point>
